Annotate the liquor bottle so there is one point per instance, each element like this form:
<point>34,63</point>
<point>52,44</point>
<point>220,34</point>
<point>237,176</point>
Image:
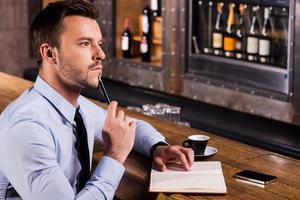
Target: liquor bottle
<point>146,19</point>
<point>280,37</point>
<point>202,26</point>
<point>126,40</point>
<point>241,39</point>
<point>217,42</point>
<point>265,39</point>
<point>230,37</point>
<point>156,8</point>
<point>208,48</point>
<point>285,14</point>
<point>252,38</point>
<point>145,45</point>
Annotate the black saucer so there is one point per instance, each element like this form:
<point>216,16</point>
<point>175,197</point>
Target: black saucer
<point>209,151</point>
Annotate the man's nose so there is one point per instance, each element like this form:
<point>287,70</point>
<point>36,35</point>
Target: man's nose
<point>99,54</point>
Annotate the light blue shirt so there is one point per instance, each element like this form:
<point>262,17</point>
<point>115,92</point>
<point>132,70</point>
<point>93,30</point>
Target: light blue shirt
<point>37,153</point>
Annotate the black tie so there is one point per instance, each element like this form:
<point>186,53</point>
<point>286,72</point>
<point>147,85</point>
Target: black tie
<point>81,146</point>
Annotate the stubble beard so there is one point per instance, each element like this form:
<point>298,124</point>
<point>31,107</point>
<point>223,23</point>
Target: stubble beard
<point>75,78</point>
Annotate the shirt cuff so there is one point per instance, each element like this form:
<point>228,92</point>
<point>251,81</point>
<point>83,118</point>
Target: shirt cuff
<point>108,166</point>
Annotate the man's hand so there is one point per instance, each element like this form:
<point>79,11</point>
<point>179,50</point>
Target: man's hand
<point>118,133</point>
<point>164,154</point>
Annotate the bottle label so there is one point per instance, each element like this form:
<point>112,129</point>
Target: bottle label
<point>228,54</point>
<point>252,45</point>
<point>144,46</point>
<point>238,45</point>
<point>206,50</point>
<point>229,43</point>
<point>145,24</point>
<point>154,4</point>
<point>264,47</point>
<point>239,56</point>
<point>217,52</point>
<point>263,60</point>
<point>217,40</point>
<point>251,57</point>
<point>125,43</point>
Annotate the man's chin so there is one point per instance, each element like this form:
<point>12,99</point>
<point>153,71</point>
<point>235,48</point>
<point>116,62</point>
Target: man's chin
<point>90,85</point>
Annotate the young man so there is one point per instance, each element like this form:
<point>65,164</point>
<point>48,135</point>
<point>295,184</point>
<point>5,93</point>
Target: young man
<point>47,134</point>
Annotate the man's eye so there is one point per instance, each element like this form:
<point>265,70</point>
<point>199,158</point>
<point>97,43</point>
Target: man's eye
<point>84,44</point>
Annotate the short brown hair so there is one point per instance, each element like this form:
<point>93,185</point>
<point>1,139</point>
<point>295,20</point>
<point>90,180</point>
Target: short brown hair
<point>47,25</point>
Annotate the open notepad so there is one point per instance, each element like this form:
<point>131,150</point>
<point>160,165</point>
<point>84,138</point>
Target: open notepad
<point>204,177</point>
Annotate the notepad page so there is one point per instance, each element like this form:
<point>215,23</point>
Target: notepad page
<point>205,176</point>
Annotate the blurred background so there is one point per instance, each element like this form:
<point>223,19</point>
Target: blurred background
<point>228,67</point>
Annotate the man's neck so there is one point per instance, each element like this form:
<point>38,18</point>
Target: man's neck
<point>70,93</point>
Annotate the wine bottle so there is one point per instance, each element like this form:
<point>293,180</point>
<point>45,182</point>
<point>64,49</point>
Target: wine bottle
<point>241,39</point>
<point>280,37</point>
<point>146,19</point>
<point>217,38</point>
<point>265,39</point>
<point>202,27</point>
<point>252,39</point>
<point>156,8</point>
<point>126,40</point>
<point>145,45</point>
<point>285,14</point>
<point>208,48</point>
<point>230,38</point>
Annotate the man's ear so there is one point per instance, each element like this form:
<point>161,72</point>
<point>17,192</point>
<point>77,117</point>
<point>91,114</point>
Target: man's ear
<point>47,53</point>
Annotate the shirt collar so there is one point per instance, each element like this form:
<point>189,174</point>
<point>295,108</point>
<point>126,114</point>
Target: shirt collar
<point>57,101</point>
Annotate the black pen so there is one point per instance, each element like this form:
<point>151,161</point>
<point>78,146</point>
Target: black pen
<point>103,91</point>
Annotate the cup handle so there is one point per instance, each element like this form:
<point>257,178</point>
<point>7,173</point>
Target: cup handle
<point>186,143</point>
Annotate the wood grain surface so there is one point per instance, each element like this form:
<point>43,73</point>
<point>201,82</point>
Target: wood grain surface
<point>234,156</point>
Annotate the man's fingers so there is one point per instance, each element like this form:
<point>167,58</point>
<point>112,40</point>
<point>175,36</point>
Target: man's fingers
<point>159,164</point>
<point>183,157</point>
<point>189,153</point>
<point>132,126</point>
<point>184,161</point>
<point>128,119</point>
<point>112,109</point>
<point>121,115</point>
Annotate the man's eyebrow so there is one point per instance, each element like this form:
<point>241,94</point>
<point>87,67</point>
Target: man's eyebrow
<point>89,39</point>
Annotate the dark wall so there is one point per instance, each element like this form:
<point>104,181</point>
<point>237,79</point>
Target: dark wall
<point>15,20</point>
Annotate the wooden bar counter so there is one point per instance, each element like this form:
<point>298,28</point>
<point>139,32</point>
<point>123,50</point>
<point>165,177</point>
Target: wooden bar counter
<point>234,156</point>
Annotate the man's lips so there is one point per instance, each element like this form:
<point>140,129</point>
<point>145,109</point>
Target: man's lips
<point>98,67</point>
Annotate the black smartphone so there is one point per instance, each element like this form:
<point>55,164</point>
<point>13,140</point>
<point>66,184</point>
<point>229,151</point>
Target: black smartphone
<point>255,177</point>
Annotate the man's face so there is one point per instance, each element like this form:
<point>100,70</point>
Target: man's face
<point>80,55</point>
